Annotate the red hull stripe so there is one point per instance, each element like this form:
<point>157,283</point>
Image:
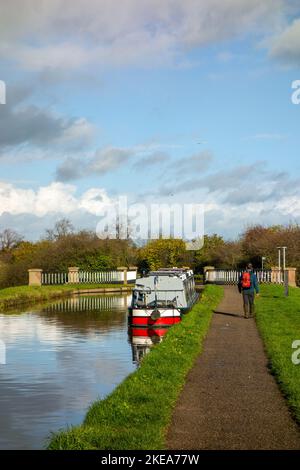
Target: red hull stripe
<point>149,332</point>
<point>147,321</point>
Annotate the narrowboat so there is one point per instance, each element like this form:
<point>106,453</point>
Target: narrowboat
<point>162,297</point>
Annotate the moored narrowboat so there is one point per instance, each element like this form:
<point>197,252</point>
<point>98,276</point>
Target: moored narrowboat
<point>162,297</point>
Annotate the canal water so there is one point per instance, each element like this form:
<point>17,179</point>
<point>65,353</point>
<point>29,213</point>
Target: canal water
<point>59,358</point>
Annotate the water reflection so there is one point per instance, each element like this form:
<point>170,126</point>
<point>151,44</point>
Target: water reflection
<point>142,339</point>
<point>89,303</point>
<point>61,356</point>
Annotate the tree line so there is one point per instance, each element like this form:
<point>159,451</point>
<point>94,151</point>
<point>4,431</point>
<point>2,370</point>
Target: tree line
<point>62,246</point>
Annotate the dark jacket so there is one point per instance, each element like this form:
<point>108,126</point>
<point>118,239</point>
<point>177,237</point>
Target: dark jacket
<point>254,284</point>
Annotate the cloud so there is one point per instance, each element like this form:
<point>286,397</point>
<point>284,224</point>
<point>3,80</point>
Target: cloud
<point>147,33</point>
<point>232,199</point>
<point>219,181</point>
<point>55,198</point>
<point>267,136</point>
<point>109,159</point>
<point>198,162</point>
<point>286,46</point>
<point>156,158</point>
<point>71,169</point>
<point>244,187</point>
<point>101,162</point>
<point>30,125</point>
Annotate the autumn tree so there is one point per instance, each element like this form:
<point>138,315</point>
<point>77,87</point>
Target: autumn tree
<point>162,253</point>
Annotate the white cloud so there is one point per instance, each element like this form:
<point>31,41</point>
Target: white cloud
<point>229,207</point>
<point>56,198</point>
<point>146,33</point>
<point>289,205</point>
<point>94,201</point>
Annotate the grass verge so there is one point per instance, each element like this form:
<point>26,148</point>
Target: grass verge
<point>278,320</point>
<point>137,413</point>
<point>20,295</point>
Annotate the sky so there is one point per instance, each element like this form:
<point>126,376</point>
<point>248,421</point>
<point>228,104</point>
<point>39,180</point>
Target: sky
<point>157,100</point>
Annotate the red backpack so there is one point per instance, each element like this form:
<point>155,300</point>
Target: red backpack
<point>246,280</point>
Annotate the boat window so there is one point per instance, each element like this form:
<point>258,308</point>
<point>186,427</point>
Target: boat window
<point>138,299</point>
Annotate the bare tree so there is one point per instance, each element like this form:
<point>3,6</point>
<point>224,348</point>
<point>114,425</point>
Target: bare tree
<point>62,228</point>
<point>9,239</point>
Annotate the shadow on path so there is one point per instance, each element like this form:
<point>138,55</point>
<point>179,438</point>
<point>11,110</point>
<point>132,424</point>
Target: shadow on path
<point>227,313</point>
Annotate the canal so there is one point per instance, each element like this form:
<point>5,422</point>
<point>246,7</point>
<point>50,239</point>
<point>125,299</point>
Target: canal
<point>60,357</point>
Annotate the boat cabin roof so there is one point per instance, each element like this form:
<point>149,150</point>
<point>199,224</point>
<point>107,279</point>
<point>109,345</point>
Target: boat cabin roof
<point>183,273</point>
<point>164,279</point>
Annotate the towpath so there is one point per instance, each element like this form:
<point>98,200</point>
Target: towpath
<point>230,400</point>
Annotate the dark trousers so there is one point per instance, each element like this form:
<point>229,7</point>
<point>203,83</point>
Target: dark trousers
<point>248,298</point>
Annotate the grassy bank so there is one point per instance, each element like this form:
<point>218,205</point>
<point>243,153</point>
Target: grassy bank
<point>278,320</point>
<point>136,414</point>
<point>14,296</point>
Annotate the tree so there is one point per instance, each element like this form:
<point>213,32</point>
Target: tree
<point>9,239</point>
<point>162,253</point>
<point>62,228</point>
<point>209,254</point>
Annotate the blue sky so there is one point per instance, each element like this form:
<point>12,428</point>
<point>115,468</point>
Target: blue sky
<point>167,101</point>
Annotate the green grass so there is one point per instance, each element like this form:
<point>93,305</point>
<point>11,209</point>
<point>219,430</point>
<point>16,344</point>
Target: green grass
<point>13,296</point>
<point>278,320</point>
<point>137,413</point>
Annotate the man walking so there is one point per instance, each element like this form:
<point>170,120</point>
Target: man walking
<point>248,286</point>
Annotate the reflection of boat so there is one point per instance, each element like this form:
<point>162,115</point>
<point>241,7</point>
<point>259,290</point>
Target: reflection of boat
<point>160,298</point>
<point>142,339</point>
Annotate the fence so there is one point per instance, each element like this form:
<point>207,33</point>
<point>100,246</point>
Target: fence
<point>49,279</point>
<point>76,276</point>
<point>100,277</point>
<point>231,276</point>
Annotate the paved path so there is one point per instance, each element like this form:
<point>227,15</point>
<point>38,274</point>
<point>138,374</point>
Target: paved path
<point>230,400</point>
